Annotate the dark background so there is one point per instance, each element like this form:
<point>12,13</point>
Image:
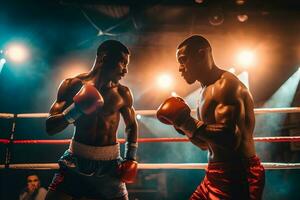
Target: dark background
<point>63,35</point>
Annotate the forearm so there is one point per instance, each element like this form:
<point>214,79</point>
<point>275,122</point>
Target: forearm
<point>131,133</point>
<point>56,123</point>
<point>216,133</point>
<point>131,144</point>
<point>199,143</point>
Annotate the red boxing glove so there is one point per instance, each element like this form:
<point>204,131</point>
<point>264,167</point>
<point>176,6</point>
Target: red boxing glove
<point>128,171</point>
<point>173,111</point>
<point>88,99</point>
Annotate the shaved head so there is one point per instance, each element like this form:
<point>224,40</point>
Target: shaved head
<point>194,43</point>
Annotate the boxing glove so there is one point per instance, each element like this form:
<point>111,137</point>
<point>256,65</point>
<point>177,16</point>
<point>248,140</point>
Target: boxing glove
<point>86,101</point>
<point>127,171</point>
<point>174,111</point>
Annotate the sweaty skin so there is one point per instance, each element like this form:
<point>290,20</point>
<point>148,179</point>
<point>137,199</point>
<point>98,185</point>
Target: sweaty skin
<point>94,102</point>
<point>224,100</point>
<point>99,128</point>
<point>228,101</point>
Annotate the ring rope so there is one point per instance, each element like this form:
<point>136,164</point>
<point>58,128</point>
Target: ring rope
<point>153,112</point>
<point>156,165</point>
<point>48,166</point>
<point>148,140</point>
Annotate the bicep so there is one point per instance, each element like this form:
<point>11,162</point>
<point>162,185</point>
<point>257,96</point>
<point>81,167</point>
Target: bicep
<point>232,117</point>
<point>127,111</point>
<point>228,96</point>
<point>227,114</point>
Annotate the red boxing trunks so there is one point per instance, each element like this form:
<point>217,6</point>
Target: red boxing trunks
<point>234,180</point>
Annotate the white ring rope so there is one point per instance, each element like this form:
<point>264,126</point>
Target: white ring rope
<point>48,166</point>
<point>153,112</point>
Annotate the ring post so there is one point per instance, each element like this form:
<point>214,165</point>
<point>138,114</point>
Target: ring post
<point>9,146</point>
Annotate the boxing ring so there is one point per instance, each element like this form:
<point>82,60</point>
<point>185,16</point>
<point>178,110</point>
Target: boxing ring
<point>9,142</point>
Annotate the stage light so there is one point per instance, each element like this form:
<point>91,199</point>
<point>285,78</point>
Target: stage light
<point>216,19</point>
<point>242,17</point>
<point>138,116</point>
<point>17,52</point>
<point>164,81</point>
<point>199,1</point>
<point>240,2</point>
<point>245,58</point>
<point>2,61</point>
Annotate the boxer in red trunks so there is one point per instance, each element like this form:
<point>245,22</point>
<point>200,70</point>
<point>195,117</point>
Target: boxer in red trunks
<point>224,127</point>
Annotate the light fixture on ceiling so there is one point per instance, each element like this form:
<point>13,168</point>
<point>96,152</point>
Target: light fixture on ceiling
<point>242,17</point>
<point>216,17</point>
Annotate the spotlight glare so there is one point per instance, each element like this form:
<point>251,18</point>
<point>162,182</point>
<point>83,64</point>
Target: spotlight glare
<point>2,61</point>
<point>232,70</point>
<point>138,116</point>
<point>174,94</point>
<point>199,1</point>
<point>164,81</point>
<point>17,52</point>
<point>245,58</point>
<point>240,2</point>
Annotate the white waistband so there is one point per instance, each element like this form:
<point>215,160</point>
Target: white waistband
<point>111,152</point>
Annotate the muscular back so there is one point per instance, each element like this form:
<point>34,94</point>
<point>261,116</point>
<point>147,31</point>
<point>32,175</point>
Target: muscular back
<point>229,102</point>
<point>99,128</point>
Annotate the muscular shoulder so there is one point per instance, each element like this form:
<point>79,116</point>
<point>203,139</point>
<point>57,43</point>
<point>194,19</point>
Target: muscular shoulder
<point>67,87</point>
<point>228,89</point>
<point>125,92</point>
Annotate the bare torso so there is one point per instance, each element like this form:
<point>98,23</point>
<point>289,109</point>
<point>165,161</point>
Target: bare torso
<point>99,128</point>
<point>211,111</point>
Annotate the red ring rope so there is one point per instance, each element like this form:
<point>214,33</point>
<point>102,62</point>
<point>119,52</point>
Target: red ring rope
<point>147,140</point>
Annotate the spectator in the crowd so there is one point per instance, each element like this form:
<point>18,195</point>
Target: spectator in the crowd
<point>33,190</point>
